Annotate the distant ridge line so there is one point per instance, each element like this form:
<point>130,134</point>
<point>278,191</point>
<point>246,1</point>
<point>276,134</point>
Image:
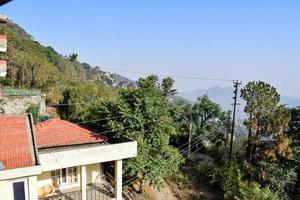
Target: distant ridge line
<point>170,75</point>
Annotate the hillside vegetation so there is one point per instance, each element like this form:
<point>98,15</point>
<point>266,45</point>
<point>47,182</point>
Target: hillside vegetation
<point>32,65</point>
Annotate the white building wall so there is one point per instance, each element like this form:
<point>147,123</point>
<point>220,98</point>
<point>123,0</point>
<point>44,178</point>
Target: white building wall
<point>6,188</point>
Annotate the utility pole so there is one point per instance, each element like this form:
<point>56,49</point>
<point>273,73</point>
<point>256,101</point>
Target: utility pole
<point>190,134</point>
<point>225,157</point>
<point>236,86</point>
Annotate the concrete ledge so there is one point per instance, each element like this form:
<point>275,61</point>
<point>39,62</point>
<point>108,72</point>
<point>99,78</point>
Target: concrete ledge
<point>57,158</point>
<point>20,172</point>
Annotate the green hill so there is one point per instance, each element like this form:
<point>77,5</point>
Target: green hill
<point>32,65</point>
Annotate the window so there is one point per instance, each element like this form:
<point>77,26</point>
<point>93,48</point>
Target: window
<point>64,176</point>
<point>72,175</point>
<point>55,176</point>
<point>19,190</point>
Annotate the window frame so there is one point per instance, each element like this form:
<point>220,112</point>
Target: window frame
<point>69,176</point>
<point>25,181</point>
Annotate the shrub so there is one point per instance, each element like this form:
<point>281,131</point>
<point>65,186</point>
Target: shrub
<point>279,178</point>
<point>230,179</point>
<point>5,81</point>
<point>34,109</point>
<point>205,168</point>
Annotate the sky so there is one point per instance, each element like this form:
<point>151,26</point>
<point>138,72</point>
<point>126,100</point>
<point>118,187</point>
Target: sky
<point>232,39</point>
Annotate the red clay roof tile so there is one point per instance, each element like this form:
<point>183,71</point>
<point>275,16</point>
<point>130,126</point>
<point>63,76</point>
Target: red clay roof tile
<point>15,149</point>
<point>56,132</point>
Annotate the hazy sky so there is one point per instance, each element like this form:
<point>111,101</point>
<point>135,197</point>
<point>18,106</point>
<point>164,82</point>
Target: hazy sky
<point>245,40</point>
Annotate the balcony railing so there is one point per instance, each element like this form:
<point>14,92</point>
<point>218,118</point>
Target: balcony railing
<point>92,193</point>
<point>65,196</point>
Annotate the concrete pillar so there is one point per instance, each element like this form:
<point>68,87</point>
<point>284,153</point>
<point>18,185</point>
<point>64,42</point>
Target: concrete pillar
<point>32,187</point>
<point>118,179</point>
<point>83,182</point>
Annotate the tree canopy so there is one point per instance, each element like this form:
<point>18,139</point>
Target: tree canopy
<point>143,114</point>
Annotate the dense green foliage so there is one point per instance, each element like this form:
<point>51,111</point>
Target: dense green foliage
<point>78,96</point>
<point>232,181</point>
<point>35,111</point>
<point>31,65</point>
<point>142,114</point>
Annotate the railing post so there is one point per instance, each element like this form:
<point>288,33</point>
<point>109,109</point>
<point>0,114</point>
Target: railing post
<point>83,182</point>
<point>118,179</point>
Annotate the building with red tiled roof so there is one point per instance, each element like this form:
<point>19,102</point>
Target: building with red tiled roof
<point>58,159</point>
<point>57,132</point>
<point>16,146</point>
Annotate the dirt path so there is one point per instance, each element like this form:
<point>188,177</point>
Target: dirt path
<point>164,193</point>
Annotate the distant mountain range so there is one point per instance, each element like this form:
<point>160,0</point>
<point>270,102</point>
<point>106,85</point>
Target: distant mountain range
<point>224,97</point>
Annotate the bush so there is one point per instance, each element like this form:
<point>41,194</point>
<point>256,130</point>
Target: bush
<point>205,168</point>
<point>34,109</point>
<point>230,179</point>
<point>279,178</point>
<point>5,81</point>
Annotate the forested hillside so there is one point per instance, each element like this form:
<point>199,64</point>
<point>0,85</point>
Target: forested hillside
<point>31,65</point>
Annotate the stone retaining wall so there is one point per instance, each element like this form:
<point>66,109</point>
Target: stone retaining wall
<point>13,105</point>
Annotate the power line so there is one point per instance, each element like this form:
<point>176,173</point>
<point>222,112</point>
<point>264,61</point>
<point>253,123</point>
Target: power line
<point>131,180</point>
<point>170,75</point>
<point>202,147</point>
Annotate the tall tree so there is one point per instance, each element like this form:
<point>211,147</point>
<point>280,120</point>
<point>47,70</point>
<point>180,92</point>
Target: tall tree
<point>147,120</point>
<point>267,120</point>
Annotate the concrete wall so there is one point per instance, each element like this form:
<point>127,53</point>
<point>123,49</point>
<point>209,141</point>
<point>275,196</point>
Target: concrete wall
<point>94,173</point>
<point>19,104</point>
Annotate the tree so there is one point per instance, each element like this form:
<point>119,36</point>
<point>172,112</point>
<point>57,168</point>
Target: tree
<point>143,114</point>
<point>185,118</point>
<point>208,116</point>
<point>77,97</point>
<point>167,87</point>
<point>294,133</point>
<point>267,121</point>
<point>73,57</point>
<point>294,126</point>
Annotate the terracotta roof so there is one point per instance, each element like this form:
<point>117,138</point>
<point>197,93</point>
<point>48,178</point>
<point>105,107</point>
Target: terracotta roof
<point>16,148</point>
<point>56,132</point>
